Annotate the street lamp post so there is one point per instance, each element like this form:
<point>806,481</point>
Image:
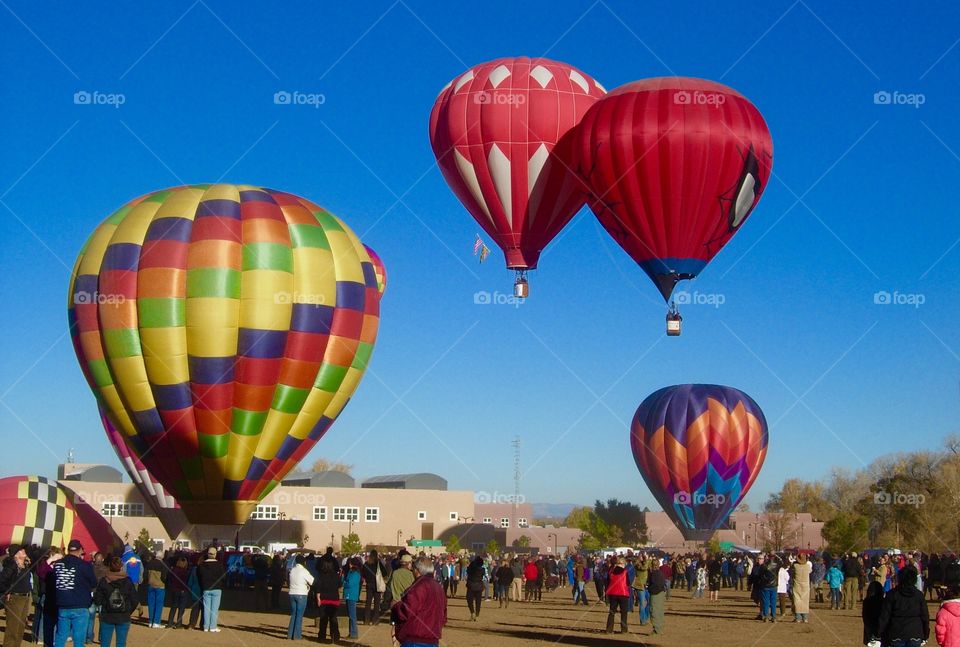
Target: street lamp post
<point>399,532</point>
<point>554,535</point>
<point>281,517</point>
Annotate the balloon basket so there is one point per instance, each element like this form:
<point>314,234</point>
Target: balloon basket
<point>673,321</point>
<point>521,289</point>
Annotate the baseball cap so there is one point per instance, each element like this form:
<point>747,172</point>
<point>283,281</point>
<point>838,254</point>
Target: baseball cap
<point>74,545</point>
<point>406,559</point>
<point>212,552</point>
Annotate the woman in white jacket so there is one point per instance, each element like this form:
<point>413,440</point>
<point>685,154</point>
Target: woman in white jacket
<point>300,582</point>
<point>783,586</point>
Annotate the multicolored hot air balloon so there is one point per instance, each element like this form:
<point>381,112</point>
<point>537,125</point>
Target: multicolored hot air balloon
<point>499,132</point>
<point>699,447</point>
<point>164,505</point>
<point>674,166</point>
<point>379,269</point>
<point>40,512</point>
<point>222,328</point>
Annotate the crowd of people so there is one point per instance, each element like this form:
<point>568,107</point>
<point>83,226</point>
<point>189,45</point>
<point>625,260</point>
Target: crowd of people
<point>69,593</point>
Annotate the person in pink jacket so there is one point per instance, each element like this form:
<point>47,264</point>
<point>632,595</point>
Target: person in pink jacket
<point>948,620</point>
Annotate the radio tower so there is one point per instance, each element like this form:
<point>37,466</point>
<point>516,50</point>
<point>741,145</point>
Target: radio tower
<point>516,473</point>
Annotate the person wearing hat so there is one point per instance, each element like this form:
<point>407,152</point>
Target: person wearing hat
<point>401,578</point>
<point>210,575</point>
<point>617,594</point>
<point>851,580</point>
<point>75,582</point>
<point>16,589</point>
<point>419,616</point>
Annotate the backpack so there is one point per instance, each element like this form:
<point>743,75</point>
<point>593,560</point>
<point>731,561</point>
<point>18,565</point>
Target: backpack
<point>116,601</point>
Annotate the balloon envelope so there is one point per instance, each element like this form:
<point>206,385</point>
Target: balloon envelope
<point>699,447</point>
<point>379,269</point>
<point>674,166</point>
<point>222,328</point>
<point>496,131</point>
<point>40,512</point>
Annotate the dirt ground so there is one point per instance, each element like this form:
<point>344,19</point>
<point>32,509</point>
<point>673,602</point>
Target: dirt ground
<point>689,623</point>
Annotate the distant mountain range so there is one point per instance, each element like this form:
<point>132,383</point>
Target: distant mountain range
<point>552,510</point>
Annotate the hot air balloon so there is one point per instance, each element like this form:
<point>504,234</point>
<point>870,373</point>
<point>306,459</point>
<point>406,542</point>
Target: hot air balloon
<point>379,269</point>
<point>500,135</point>
<point>222,329</point>
<point>674,167</point>
<point>699,447</point>
<point>164,505</point>
<point>40,512</point>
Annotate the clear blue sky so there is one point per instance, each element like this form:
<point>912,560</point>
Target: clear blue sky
<point>877,211</point>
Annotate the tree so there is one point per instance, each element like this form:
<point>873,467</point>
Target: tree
<point>626,516</point>
<point>779,530</point>
<point>325,465</point>
<point>143,542</point>
<point>350,544</point>
<point>578,517</point>
<point>846,531</point>
<point>453,545</point>
<point>522,542</point>
<point>492,547</point>
<point>713,546</point>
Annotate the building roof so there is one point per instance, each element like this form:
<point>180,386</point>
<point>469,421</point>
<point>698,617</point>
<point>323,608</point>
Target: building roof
<point>327,478</point>
<point>419,481</point>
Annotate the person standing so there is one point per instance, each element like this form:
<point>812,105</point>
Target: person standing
<point>374,579</point>
<point>74,582</point>
<point>327,587</point>
<point>870,613</point>
<point>475,573</point>
<point>16,590</point>
<point>851,580</point>
<point>48,596</point>
<point>617,593</point>
<point>278,576</point>
<point>179,595</point>
<point>783,588</point>
<point>657,588</point>
<point>133,567</point>
<point>947,627</point>
<point>155,572</point>
<point>642,567</point>
<point>801,587</point>
<point>117,598</point>
<point>419,616</point>
<point>99,571</point>
<point>834,579</point>
<point>401,578</point>
<point>904,618</point>
<point>516,584</point>
<point>300,582</point>
<point>210,576</point>
<point>715,576</point>
<point>504,578</point>
<point>351,593</point>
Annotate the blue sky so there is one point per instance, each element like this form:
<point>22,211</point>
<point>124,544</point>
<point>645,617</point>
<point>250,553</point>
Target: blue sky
<point>863,201</point>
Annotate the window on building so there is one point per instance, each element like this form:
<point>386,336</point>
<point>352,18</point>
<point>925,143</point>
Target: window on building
<point>121,509</point>
<point>421,515</point>
<point>504,522</point>
<point>265,512</point>
<point>454,516</point>
<point>346,513</point>
<point>521,522</point>
<point>319,513</point>
<point>371,514</point>
<point>477,546</point>
<point>184,543</point>
<point>487,520</point>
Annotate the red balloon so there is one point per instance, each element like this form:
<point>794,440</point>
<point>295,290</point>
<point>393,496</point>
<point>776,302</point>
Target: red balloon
<point>496,133</point>
<point>674,166</point>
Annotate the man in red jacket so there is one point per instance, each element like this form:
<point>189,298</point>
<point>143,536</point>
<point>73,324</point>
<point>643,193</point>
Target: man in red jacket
<point>617,594</point>
<point>421,613</point>
<point>530,575</point>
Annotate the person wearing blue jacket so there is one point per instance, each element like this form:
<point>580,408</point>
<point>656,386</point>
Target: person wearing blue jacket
<point>133,567</point>
<point>351,593</point>
<point>74,582</point>
<point>835,581</point>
